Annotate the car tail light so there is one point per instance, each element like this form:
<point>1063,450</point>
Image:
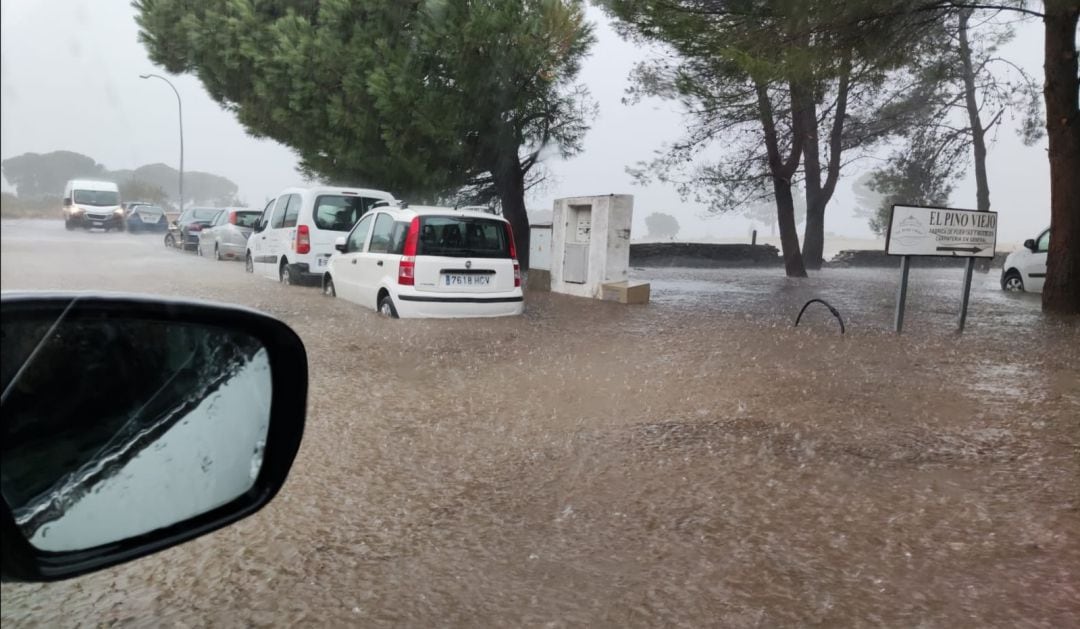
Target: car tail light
<point>406,275</point>
<point>513,254</point>
<point>232,218</point>
<point>195,227</point>
<point>303,239</point>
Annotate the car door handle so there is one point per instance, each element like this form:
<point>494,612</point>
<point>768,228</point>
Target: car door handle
<point>354,260</point>
<point>379,263</point>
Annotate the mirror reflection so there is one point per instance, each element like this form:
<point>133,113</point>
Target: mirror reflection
<point>117,427</point>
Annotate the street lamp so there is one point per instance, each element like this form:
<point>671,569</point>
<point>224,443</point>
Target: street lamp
<point>180,110</point>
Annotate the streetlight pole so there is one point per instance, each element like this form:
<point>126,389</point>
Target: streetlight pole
<point>180,111</point>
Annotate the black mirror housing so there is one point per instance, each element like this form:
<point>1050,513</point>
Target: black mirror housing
<point>282,363</point>
<point>67,201</point>
<point>342,248</point>
<point>1030,244</point>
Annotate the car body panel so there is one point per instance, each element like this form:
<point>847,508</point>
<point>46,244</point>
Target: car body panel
<point>229,234</point>
<point>275,244</point>
<point>182,229</point>
<point>143,217</point>
<point>362,275</point>
<point>92,204</point>
<point>1030,264</point>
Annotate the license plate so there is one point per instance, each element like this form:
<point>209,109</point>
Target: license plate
<point>454,279</point>
<point>97,224</point>
<point>321,261</point>
<point>150,218</point>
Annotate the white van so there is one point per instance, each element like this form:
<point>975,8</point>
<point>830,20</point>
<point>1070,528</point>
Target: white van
<point>90,204</point>
<point>428,262</point>
<point>294,239</point>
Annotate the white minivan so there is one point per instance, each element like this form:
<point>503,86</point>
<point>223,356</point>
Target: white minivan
<point>90,204</point>
<point>294,239</point>
<point>428,262</point>
<point>1025,269</point>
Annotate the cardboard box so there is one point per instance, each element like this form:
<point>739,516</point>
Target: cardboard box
<point>626,292</point>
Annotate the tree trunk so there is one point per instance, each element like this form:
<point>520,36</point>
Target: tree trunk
<point>818,192</point>
<point>971,101</point>
<point>782,170</point>
<point>510,182</point>
<point>1061,293</point>
<point>814,230</point>
<point>789,233</point>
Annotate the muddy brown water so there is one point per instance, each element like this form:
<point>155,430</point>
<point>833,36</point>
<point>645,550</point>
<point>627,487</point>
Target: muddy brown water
<point>693,462</point>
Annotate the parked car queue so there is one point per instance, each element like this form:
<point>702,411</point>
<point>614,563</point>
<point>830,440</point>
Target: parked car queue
<point>368,248</point>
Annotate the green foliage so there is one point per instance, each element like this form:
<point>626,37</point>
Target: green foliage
<point>867,200</point>
<point>661,225</point>
<point>36,175</point>
<point>918,175</point>
<point>764,210</point>
<point>721,50</point>
<point>47,206</point>
<point>417,98</point>
<point>200,188</point>
<point>139,190</point>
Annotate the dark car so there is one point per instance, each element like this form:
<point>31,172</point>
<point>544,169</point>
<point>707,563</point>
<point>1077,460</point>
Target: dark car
<point>184,231</point>
<point>144,217</point>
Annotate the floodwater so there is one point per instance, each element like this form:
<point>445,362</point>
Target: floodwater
<point>693,462</point>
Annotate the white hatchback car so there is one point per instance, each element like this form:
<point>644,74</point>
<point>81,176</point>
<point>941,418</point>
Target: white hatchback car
<point>294,239</point>
<point>1025,269</point>
<point>428,262</point>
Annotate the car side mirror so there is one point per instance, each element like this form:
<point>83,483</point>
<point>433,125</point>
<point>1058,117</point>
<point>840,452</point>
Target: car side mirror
<point>67,201</point>
<point>1030,244</point>
<point>339,244</point>
<point>131,425</point>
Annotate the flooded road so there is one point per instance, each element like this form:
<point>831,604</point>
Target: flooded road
<point>693,462</point>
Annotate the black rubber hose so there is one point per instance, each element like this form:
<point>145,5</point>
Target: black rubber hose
<point>834,311</point>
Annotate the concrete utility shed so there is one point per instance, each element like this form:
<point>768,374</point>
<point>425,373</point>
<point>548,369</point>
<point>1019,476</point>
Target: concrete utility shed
<point>590,248</point>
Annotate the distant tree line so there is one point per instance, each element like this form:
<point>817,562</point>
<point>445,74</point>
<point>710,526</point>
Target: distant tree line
<point>41,176</point>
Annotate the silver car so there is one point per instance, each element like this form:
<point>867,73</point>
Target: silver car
<point>226,238</point>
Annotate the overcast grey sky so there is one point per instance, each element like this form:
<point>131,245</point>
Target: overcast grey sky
<point>69,80</point>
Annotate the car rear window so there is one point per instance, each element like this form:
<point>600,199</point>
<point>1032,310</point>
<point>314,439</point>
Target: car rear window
<point>462,236</point>
<point>339,212</point>
<point>248,219</point>
<point>204,215</point>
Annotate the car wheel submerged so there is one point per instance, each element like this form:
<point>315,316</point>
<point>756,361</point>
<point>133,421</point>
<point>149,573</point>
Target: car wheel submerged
<point>285,274</point>
<point>328,287</point>
<point>170,242</point>
<point>1012,282</point>
<point>386,307</point>
<point>249,266</point>
<point>217,253</point>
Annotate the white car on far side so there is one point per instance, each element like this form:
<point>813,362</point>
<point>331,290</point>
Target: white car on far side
<point>1025,269</point>
<point>428,262</point>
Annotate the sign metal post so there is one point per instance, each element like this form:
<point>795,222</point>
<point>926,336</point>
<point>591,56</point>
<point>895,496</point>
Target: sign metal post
<point>901,293</point>
<point>968,268</point>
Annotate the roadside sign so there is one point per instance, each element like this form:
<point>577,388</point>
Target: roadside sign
<point>938,231</point>
<point>916,230</point>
